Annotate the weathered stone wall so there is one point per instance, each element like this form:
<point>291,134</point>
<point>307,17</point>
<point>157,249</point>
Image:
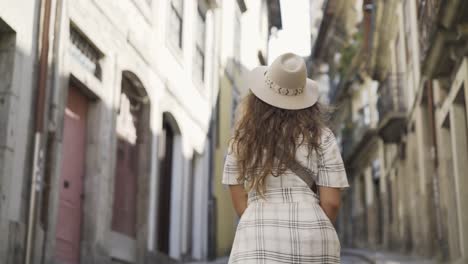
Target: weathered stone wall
<point>17,92</point>
<point>132,37</point>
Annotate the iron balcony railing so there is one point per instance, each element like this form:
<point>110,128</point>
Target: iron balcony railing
<point>355,136</point>
<point>391,96</point>
<point>392,108</point>
<point>428,11</point>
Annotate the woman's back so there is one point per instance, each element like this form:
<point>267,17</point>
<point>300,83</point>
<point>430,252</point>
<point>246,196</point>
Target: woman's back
<point>286,224</point>
<point>270,172</point>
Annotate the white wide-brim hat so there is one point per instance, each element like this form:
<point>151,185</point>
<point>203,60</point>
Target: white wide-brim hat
<point>284,84</point>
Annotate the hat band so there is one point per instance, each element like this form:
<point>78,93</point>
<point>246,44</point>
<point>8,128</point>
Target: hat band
<point>281,90</point>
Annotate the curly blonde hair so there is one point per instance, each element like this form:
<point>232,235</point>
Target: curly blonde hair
<point>266,138</point>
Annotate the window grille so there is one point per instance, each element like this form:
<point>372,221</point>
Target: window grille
<point>85,52</point>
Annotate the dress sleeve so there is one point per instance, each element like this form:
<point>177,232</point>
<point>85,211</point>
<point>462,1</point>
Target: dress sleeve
<point>331,170</point>
<point>230,171</point>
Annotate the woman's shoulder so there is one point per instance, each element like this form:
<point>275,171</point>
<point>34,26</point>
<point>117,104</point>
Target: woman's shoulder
<point>326,131</point>
<point>326,135</point>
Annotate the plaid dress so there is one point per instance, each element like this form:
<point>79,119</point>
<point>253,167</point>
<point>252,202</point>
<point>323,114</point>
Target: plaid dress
<point>288,225</point>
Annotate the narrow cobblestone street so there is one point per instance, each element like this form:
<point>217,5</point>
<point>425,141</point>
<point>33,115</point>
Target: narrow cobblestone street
<point>223,260</point>
<point>346,259</point>
<point>358,256</point>
<point>352,255</point>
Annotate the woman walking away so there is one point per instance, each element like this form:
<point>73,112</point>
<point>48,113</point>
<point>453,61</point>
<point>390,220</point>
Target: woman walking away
<point>284,170</point>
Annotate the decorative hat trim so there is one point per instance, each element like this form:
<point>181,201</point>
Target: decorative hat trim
<point>281,90</point>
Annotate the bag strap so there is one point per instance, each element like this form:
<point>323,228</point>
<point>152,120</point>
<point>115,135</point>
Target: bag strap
<point>305,174</point>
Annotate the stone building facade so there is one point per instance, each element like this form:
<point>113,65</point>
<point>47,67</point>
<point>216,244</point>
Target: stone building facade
<point>399,83</point>
<point>18,53</point>
<point>116,166</point>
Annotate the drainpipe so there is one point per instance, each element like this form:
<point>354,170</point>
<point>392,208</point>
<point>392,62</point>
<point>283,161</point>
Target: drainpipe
<point>38,159</point>
<point>435,175</point>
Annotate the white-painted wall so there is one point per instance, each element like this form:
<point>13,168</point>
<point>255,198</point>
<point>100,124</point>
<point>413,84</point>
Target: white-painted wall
<point>200,205</point>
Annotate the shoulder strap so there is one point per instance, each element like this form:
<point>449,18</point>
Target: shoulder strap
<point>305,174</point>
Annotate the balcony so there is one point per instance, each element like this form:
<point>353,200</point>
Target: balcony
<point>391,106</point>
<point>428,11</point>
<point>356,138</point>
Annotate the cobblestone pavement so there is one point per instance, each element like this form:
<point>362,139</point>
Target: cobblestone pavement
<point>223,260</point>
<point>379,257</point>
<point>345,259</point>
<point>348,259</point>
<point>358,256</point>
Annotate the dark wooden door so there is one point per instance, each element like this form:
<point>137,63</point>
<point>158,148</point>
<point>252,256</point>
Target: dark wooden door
<point>125,191</point>
<point>68,235</point>
<point>165,185</point>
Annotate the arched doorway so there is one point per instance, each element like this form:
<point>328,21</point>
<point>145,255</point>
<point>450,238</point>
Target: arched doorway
<point>132,152</point>
<point>170,153</point>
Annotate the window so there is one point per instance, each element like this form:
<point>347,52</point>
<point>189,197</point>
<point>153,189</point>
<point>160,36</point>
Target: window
<point>85,52</point>
<point>199,60</point>
<point>375,166</point>
<point>176,22</point>
<point>365,108</point>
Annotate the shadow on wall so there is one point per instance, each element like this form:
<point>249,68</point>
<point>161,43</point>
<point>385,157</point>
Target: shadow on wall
<point>17,90</point>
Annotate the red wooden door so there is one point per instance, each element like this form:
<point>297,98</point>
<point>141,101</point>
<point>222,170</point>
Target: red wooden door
<point>68,234</point>
<point>125,190</point>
